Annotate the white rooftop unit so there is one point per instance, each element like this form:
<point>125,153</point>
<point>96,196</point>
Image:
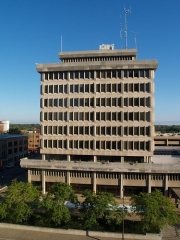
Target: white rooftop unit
<point>4,126</point>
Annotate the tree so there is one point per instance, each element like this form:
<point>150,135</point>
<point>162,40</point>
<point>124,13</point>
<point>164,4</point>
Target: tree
<point>99,207</point>
<point>155,210</point>
<point>14,130</point>
<point>52,208</point>
<point>19,202</point>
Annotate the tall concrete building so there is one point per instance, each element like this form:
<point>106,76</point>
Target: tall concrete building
<point>97,114</point>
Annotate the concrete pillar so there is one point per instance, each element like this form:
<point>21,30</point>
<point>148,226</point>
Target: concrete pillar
<point>149,183</point>
<point>94,158</point>
<point>68,178</point>
<point>29,175</point>
<point>43,181</point>
<point>94,181</point>
<point>167,142</point>
<point>68,158</point>
<point>43,157</point>
<point>121,185</point>
<point>166,185</point>
<point>122,159</point>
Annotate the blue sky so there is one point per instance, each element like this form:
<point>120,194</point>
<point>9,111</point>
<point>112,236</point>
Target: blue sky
<point>30,32</point>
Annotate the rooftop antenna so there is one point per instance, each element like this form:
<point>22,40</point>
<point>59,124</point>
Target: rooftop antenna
<point>121,32</point>
<point>135,39</point>
<point>126,11</point>
<point>61,43</point>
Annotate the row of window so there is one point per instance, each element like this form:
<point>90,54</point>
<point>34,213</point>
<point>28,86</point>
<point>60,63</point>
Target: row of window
<point>100,88</point>
<point>107,175</point>
<point>92,130</point>
<point>98,145</point>
<point>98,116</point>
<point>106,74</point>
<point>97,59</point>
<point>96,102</point>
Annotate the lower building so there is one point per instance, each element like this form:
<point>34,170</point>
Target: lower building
<point>12,148</point>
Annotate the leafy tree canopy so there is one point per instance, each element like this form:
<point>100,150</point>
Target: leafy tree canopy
<point>99,206</point>
<point>52,205</point>
<point>14,130</point>
<point>156,211</point>
<point>19,201</point>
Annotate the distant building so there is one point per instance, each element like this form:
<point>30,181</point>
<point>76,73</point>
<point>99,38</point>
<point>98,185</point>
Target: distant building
<point>4,126</point>
<point>12,148</point>
<point>33,141</point>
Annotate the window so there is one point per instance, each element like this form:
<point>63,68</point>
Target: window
<point>60,130</point>
<point>102,87</point>
<point>86,74</point>
<point>81,74</point>
<point>108,88</point>
<point>113,130</point>
<point>86,130</point>
<point>103,116</point>
<point>76,88</point>
<point>75,102</point>
<point>81,116</point>
<point>55,102</point>
<point>114,102</point>
<point>97,144</point>
<point>76,116</point>
<point>102,130</point>
<point>81,88</point>
<point>108,131</point>
<point>55,88</point>
<point>71,88</point>
<point>113,116</point>
<point>60,102</point>
<point>76,130</point>
<point>86,116</point>
<point>98,102</point>
<point>81,102</point>
<point>71,116</point>
<point>60,88</point>
<point>81,130</point>
<point>108,102</point>
<point>97,130</point>
<point>108,145</point>
<point>114,145</point>
<point>71,130</point>
<point>87,102</point>
<point>92,88</point>
<point>98,116</point>
<point>114,87</point>
<point>60,116</point>
<point>97,87</point>
<point>108,116</point>
<point>102,102</point>
<point>87,88</point>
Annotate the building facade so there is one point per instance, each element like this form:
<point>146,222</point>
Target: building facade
<point>13,147</point>
<point>33,141</point>
<point>97,109</point>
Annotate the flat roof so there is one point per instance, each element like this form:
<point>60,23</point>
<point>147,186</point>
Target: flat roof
<point>5,136</point>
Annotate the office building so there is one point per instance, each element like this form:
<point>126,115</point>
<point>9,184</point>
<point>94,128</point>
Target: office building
<point>97,122</point>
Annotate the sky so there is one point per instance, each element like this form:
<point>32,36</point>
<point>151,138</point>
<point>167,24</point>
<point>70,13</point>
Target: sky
<point>30,33</point>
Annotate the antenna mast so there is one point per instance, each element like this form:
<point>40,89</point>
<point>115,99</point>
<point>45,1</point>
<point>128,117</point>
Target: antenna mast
<point>61,43</point>
<point>126,11</point>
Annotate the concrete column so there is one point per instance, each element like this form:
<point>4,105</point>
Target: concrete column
<point>122,159</point>
<point>43,181</point>
<point>94,182</point>
<point>68,158</point>
<point>121,185</point>
<point>29,175</point>
<point>149,183</point>
<point>167,142</point>
<point>166,185</point>
<point>94,158</point>
<point>43,157</point>
<point>68,178</point>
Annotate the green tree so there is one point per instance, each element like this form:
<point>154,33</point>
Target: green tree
<point>52,208</point>
<point>99,207</point>
<point>155,210</point>
<point>19,202</point>
<point>14,130</point>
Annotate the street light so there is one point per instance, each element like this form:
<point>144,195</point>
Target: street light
<point>123,214</point>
